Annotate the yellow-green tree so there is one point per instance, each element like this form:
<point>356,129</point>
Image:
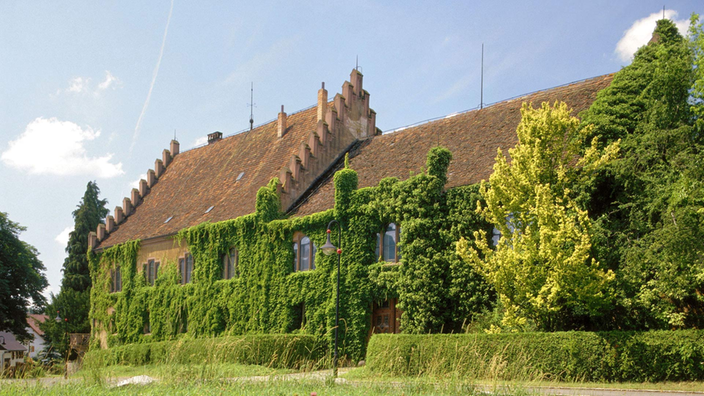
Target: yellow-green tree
<point>541,267</point>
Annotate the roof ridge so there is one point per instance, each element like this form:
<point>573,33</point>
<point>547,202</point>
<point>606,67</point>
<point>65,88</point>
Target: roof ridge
<point>429,120</point>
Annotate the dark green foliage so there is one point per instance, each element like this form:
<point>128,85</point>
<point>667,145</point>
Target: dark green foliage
<point>268,297</point>
<point>22,279</point>
<point>272,350</point>
<point>568,356</point>
<point>91,211</point>
<point>647,205</point>
<point>73,301</point>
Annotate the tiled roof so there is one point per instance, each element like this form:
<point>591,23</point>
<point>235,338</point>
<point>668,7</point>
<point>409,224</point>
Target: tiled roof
<point>9,343</point>
<point>472,137</point>
<point>207,176</point>
<point>33,320</point>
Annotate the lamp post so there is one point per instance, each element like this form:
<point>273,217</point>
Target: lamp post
<point>329,249</point>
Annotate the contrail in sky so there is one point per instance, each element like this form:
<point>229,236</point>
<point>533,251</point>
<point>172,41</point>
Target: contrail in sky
<point>151,87</point>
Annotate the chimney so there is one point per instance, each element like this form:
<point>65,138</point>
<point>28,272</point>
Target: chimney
<point>356,81</point>
<point>151,178</point>
<point>173,147</point>
<point>92,239</point>
<point>101,232</point>
<point>119,214</point>
<point>159,167</point>
<point>166,157</point>
<point>214,137</point>
<point>135,198</point>
<point>110,224</point>
<point>281,130</point>
<point>322,103</point>
<point>127,207</point>
<point>143,188</point>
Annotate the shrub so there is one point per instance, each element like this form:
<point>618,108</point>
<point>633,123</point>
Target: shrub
<point>565,356</point>
<point>274,350</point>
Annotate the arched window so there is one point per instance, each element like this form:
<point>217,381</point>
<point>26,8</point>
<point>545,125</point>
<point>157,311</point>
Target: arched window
<point>387,246</point>
<point>303,253</point>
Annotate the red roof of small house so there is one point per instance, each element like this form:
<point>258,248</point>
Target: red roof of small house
<point>33,320</point>
<point>473,138</point>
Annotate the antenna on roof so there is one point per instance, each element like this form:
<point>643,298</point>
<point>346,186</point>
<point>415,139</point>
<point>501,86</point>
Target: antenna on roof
<point>174,133</point>
<point>481,88</point>
<point>251,105</point>
<point>356,63</point>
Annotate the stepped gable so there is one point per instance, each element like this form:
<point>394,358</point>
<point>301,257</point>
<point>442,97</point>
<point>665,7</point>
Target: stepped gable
<point>220,181</point>
<point>472,137</point>
<point>207,176</point>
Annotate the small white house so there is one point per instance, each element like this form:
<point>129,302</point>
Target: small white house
<point>11,351</point>
<point>37,342</point>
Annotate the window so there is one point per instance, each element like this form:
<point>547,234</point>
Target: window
<point>151,269</point>
<point>303,253</point>
<point>229,264</point>
<point>185,267</point>
<point>147,325</point>
<point>387,246</point>
<point>115,279</point>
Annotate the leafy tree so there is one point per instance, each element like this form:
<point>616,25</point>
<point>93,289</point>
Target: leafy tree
<point>541,268</point>
<point>647,205</point>
<point>73,301</point>
<point>22,279</point>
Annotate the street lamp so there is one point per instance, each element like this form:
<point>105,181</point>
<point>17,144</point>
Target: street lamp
<point>329,249</point>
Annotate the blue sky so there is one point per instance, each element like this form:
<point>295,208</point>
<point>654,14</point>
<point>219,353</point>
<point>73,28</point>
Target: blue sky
<point>95,90</point>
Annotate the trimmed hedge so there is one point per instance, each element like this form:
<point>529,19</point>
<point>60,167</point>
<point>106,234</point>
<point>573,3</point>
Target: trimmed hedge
<point>274,350</point>
<point>566,356</point>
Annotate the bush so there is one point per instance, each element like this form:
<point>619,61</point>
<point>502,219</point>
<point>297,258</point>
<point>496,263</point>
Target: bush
<point>279,351</point>
<point>565,356</point>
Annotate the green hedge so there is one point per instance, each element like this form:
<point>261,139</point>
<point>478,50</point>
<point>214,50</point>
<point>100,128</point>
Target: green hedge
<point>567,356</point>
<point>274,350</point>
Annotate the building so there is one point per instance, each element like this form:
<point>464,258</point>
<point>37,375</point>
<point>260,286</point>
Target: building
<point>37,343</point>
<point>11,351</point>
<point>223,238</point>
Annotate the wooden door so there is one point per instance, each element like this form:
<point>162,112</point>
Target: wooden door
<point>385,317</point>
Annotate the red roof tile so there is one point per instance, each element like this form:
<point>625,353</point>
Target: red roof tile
<point>207,176</point>
<point>472,137</point>
<point>33,320</point>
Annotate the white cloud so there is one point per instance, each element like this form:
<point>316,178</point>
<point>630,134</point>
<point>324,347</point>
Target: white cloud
<point>78,85</point>
<point>62,238</point>
<point>135,184</point>
<point>200,141</point>
<point>84,85</point>
<point>642,30</point>
<point>54,147</point>
<point>110,81</point>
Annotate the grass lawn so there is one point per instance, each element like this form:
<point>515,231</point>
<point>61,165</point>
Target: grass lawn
<point>364,375</point>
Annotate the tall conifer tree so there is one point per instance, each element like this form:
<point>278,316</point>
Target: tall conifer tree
<point>73,301</point>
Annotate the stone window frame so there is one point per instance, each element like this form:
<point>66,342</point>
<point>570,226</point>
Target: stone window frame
<point>150,273</point>
<point>115,278</point>
<point>380,254</point>
<point>230,266</point>
<point>186,277</point>
<point>298,238</point>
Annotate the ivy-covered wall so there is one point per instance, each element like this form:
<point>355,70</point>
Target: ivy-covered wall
<point>436,291</point>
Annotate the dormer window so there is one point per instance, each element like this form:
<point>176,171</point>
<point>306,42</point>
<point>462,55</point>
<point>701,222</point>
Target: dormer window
<point>303,253</point>
<point>229,264</point>
<point>387,246</point>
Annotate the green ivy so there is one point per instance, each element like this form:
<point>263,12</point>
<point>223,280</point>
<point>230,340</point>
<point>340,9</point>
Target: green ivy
<point>435,290</point>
